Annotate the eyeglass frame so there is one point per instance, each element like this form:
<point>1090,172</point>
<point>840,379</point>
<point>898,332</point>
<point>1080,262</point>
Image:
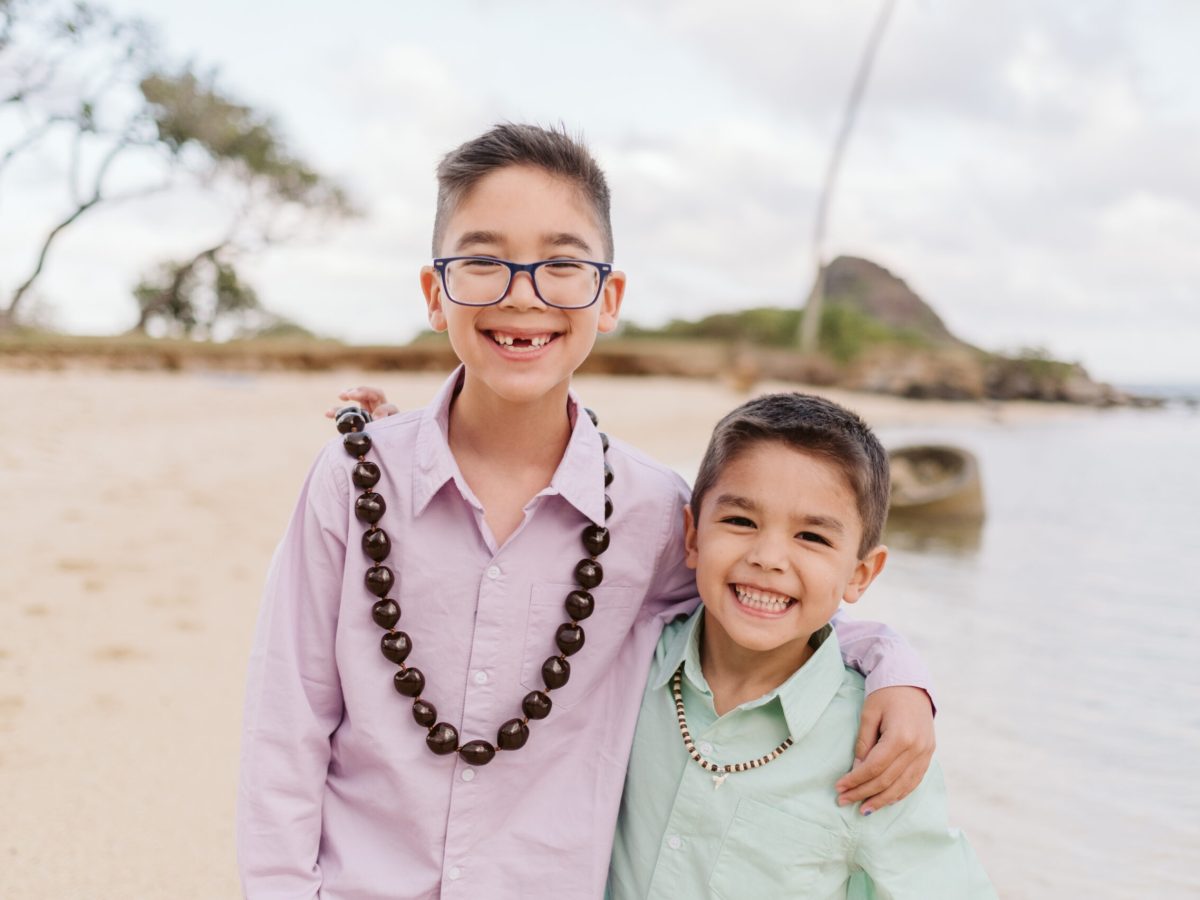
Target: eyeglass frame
<point>605,269</point>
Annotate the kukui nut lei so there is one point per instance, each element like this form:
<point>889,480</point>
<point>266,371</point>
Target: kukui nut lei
<point>442,737</point>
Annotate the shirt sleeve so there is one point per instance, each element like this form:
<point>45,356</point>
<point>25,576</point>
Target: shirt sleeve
<point>909,852</point>
<point>293,696</point>
<point>881,655</point>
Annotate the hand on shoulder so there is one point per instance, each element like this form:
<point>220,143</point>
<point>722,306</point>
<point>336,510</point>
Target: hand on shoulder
<point>371,399</point>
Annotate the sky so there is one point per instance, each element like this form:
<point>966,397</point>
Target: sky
<point>1028,168</point>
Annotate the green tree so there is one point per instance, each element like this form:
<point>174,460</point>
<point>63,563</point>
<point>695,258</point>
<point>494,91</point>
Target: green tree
<point>276,197</point>
<point>78,80</point>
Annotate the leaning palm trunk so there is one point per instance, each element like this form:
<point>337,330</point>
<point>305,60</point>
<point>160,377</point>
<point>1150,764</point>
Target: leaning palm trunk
<point>811,321</point>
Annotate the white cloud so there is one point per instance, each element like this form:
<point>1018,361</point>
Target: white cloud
<point>1028,167</point>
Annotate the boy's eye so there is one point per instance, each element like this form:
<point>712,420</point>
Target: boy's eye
<point>738,521</point>
<point>564,267</point>
<point>481,265</point>
<point>813,537</point>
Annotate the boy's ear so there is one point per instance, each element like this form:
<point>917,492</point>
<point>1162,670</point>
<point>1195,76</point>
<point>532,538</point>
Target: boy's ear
<point>692,556</point>
<point>610,301</point>
<point>431,287</point>
<point>865,571</point>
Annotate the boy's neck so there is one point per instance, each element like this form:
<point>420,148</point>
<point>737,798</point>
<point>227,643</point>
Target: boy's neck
<point>507,452</point>
<point>736,675</point>
<point>484,425</point>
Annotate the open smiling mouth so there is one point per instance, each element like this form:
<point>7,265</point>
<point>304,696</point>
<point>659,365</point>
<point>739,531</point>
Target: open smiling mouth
<point>761,601</point>
<point>523,342</point>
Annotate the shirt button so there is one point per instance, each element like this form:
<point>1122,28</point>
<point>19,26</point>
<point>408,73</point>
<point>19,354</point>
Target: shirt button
<point>493,572</point>
<point>705,747</point>
<point>468,775</point>
<point>674,842</point>
<point>481,678</point>
<point>455,873</point>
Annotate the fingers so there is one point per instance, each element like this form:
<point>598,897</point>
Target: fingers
<point>385,410</point>
<point>368,397</point>
<point>901,788</point>
<point>889,772</point>
<point>868,735</point>
<point>868,732</point>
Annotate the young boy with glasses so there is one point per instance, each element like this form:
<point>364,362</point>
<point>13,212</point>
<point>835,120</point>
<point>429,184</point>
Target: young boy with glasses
<point>458,623</point>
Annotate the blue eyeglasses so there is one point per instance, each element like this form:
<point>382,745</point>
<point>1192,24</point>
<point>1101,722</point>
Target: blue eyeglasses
<point>485,280</point>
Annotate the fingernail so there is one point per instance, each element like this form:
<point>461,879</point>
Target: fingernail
<point>867,811</point>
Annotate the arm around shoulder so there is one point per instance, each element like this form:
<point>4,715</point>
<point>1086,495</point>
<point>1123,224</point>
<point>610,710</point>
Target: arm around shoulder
<point>293,695</point>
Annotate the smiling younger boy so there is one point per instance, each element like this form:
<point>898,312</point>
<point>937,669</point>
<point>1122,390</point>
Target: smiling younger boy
<point>750,715</point>
<point>350,789</point>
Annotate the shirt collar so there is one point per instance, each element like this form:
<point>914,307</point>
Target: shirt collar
<point>803,697</point>
<point>578,478</point>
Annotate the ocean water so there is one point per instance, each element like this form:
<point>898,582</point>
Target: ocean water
<point>1064,637</point>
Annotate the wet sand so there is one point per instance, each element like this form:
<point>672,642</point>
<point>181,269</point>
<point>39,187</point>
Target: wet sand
<point>138,512</point>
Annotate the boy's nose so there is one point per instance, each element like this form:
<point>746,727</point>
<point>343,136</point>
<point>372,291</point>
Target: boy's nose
<point>521,294</point>
<point>767,553</point>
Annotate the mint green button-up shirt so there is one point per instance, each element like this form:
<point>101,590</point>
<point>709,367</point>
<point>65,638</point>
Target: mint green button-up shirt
<point>775,831</point>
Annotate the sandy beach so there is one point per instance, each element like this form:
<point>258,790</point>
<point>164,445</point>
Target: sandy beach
<point>139,512</point>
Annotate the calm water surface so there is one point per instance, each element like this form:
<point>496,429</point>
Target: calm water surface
<point>1064,639</point>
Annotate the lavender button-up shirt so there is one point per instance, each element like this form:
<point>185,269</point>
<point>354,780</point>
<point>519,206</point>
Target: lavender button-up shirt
<point>339,796</point>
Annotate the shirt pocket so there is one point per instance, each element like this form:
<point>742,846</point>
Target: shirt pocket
<point>605,631</point>
<point>772,852</point>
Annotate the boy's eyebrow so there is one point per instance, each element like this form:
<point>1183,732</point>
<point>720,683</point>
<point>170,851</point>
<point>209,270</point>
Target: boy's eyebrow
<point>567,239</point>
<point>737,502</point>
<point>477,237</point>
<point>553,239</point>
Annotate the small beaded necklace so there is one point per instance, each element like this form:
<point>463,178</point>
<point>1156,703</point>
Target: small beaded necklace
<point>442,738</point>
<point>721,772</point>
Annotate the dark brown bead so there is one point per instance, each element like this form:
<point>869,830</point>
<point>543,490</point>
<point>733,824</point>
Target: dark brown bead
<point>409,682</point>
<point>442,739</point>
<point>591,415</point>
<point>555,672</point>
<point>595,539</point>
<point>379,580</point>
<point>536,705</point>
<point>512,735</point>
<point>350,418</point>
<point>357,443</point>
<point>424,713</point>
<point>365,475</point>
<point>396,646</point>
<point>477,753</point>
<point>386,613</point>
<point>604,441</point>
<point>608,507</point>
<point>580,605</point>
<point>569,638</point>
<point>369,507</point>
<point>376,544</point>
<point>588,573</point>
<point>608,475</point>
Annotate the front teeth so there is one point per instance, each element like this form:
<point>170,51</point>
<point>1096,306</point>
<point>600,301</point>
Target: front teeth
<point>506,340</point>
<point>762,599</point>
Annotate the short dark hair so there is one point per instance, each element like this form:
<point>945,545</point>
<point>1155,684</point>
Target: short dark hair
<point>509,144</point>
<point>812,425</point>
